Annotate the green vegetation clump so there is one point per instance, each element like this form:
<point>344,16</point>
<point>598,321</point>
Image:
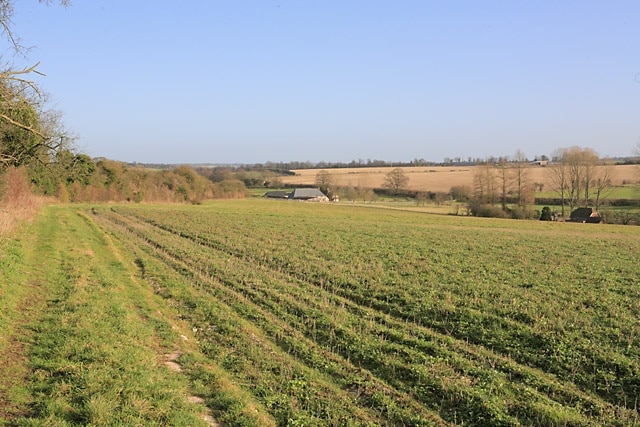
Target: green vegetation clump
<point>488,210</point>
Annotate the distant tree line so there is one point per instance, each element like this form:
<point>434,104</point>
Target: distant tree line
<point>503,188</point>
<point>580,178</point>
<point>251,177</point>
<point>284,168</point>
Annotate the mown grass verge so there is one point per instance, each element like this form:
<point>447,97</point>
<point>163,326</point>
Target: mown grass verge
<point>21,301</point>
<point>92,344</point>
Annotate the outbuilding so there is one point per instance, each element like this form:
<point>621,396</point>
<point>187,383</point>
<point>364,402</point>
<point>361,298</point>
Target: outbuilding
<point>585,215</point>
<point>308,194</point>
<point>276,195</point>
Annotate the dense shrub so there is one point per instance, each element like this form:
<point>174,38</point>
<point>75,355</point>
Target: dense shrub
<point>546,214</point>
<point>15,189</point>
<point>487,210</point>
<point>119,182</point>
<point>494,211</point>
<point>229,189</point>
<point>461,193</point>
<point>519,212</point>
<point>17,201</point>
<point>621,217</point>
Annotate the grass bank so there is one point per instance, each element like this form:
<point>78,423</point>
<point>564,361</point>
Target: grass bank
<point>83,338</point>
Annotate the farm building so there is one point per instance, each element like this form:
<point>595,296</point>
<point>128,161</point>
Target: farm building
<point>586,215</point>
<point>276,195</point>
<point>308,194</point>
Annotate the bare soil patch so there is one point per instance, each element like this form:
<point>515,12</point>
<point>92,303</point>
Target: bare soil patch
<point>170,361</point>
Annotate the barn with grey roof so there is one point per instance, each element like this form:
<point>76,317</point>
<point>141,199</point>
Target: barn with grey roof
<point>308,194</point>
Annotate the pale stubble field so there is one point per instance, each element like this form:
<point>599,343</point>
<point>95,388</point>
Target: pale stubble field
<point>437,178</point>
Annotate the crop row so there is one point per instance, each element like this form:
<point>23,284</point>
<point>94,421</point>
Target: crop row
<point>573,314</point>
<point>261,351</point>
<point>329,321</point>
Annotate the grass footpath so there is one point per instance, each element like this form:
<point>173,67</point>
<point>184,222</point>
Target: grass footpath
<point>83,339</point>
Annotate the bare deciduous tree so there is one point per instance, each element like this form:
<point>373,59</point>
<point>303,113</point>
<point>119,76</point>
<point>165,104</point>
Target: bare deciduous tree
<point>485,183</point>
<point>559,176</point>
<point>6,20</point>
<point>589,160</point>
<point>364,192</point>
<point>396,180</point>
<point>460,193</point>
<point>504,177</point>
<point>602,183</point>
<point>324,181</point>
<point>636,152</point>
<point>576,174</point>
<point>521,183</point>
<point>27,130</point>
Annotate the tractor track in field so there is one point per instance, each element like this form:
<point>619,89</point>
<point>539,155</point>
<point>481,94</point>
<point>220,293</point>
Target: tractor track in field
<point>170,360</point>
<point>14,369</point>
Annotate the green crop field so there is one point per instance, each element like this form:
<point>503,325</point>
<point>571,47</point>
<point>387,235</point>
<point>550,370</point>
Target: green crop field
<point>300,314</point>
<point>627,192</point>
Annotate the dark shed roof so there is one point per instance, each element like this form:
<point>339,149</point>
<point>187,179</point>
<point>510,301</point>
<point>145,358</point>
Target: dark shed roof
<point>277,194</point>
<point>585,215</point>
<point>306,193</point>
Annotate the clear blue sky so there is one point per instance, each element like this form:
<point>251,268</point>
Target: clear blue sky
<point>239,81</point>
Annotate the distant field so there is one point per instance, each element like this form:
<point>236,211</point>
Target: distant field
<point>434,178</point>
<point>622,192</point>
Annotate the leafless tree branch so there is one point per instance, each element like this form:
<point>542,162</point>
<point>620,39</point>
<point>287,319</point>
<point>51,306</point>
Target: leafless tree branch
<point>23,126</point>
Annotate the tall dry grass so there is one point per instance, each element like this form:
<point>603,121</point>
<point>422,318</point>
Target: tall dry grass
<point>18,203</point>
